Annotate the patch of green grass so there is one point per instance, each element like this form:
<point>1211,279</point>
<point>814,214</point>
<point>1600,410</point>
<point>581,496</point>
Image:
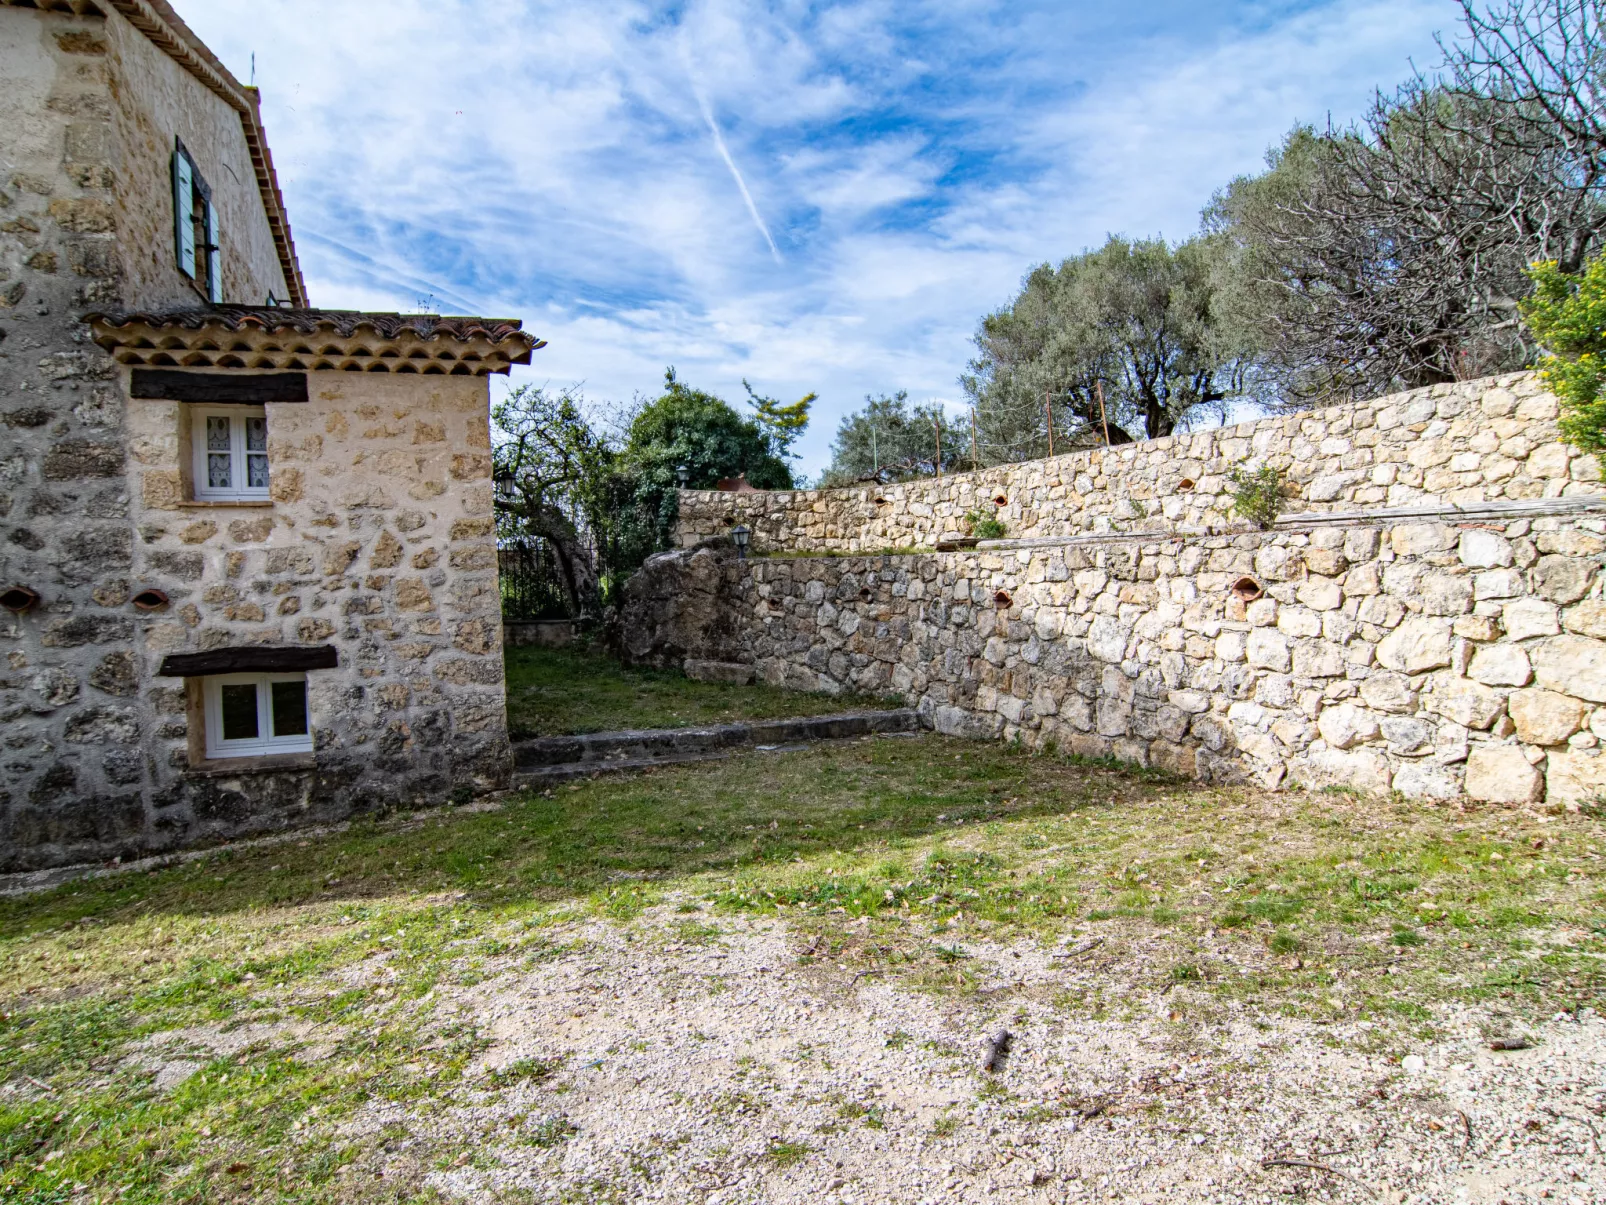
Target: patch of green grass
<point>1285,943</point>
<point>881,852</point>
<point>550,1131</point>
<point>787,1154</point>
<point>532,1070</point>
<point>581,689</point>
<point>945,1126</point>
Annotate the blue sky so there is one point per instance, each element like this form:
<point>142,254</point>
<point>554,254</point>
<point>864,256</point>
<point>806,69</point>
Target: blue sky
<point>812,196</point>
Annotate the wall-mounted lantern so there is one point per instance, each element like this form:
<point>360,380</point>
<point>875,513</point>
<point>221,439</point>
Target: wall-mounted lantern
<point>18,599</point>
<point>683,471</point>
<point>740,536</point>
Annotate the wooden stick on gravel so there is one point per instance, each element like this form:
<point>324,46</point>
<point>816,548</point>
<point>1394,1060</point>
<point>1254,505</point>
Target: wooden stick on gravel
<point>997,1048</point>
<point>1466,1125</point>
<point>1094,944</point>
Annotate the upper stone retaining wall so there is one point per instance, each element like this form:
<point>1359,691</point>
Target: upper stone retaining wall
<point>1461,444</point>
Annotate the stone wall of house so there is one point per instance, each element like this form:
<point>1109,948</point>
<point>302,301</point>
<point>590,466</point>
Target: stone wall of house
<point>378,540</point>
<point>1430,656</point>
<point>152,99</point>
<point>65,527</point>
<point>1465,443</point>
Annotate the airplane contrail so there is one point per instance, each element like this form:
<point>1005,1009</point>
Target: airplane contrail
<point>724,153</point>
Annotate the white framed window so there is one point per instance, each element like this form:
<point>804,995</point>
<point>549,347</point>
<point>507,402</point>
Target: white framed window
<point>231,452</point>
<point>254,715</point>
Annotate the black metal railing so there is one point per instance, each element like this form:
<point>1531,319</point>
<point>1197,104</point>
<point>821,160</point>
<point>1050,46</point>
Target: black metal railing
<point>532,581</point>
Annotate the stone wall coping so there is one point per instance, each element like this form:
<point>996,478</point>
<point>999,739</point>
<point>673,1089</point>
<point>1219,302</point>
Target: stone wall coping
<point>1527,508</point>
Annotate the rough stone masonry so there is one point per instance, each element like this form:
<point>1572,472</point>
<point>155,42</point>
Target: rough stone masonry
<point>1434,648</point>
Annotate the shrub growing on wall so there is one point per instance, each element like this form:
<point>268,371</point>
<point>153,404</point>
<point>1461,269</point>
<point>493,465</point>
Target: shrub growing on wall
<point>1567,314</point>
<point>1258,496</point>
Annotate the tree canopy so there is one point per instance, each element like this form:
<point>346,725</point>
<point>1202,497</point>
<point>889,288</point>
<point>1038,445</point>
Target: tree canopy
<point>890,440</point>
<point>604,503</point>
<point>1393,254</point>
<point>1134,321</point>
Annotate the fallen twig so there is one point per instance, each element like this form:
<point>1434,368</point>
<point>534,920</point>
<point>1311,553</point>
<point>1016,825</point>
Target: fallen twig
<point>997,1048</point>
<point>1094,944</point>
<point>1466,1126</point>
<point>813,946</point>
<point>40,1084</point>
<point>858,975</point>
<point>1318,1167</point>
<point>1509,1044</point>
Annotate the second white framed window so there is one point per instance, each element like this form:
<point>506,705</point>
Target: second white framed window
<point>231,453</point>
<point>254,715</point>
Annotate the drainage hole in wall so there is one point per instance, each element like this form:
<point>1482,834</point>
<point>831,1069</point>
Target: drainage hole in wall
<point>1185,485</point>
<point>1247,588</point>
<point>1000,500</point>
<point>18,599</point>
<point>1002,601</point>
<point>150,600</point>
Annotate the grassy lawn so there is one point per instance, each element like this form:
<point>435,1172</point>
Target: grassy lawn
<point>552,692</point>
<point>300,979</point>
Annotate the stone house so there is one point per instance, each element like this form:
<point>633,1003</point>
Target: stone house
<point>247,558</point>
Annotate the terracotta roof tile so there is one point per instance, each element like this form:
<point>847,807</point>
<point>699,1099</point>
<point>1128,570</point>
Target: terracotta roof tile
<point>313,340</point>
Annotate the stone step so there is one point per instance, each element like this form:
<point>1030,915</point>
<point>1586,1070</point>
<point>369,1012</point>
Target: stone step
<point>554,758</point>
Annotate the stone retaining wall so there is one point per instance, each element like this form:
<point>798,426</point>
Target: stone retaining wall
<point>1430,656</point>
<point>1494,439</point>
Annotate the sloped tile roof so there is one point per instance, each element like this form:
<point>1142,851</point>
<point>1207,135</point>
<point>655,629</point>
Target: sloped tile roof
<point>314,340</point>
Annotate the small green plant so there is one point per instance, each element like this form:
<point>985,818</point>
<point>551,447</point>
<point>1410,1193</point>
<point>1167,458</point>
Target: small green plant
<point>1285,943</point>
<point>1186,972</point>
<point>551,1131</point>
<point>537,1070</point>
<point>1258,496</point>
<point>785,1154</point>
<point>1407,937</point>
<point>1568,315</point>
<point>944,1127</point>
<point>950,954</point>
<point>984,527</point>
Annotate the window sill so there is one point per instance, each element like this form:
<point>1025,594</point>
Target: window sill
<point>207,503</point>
<point>230,767</point>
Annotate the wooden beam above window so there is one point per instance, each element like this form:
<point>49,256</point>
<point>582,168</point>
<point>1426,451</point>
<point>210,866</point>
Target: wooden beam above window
<point>249,659</point>
<point>222,388</point>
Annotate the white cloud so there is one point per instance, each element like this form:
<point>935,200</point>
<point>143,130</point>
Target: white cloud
<point>908,162</point>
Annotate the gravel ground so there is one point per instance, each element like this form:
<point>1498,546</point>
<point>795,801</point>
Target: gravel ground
<point>728,1072</point>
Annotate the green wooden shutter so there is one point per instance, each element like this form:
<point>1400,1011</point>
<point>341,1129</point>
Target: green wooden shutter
<point>184,212</point>
<point>214,256</point>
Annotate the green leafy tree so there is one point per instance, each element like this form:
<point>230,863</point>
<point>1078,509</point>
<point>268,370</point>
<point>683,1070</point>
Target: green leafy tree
<point>891,440</point>
<point>1134,321</point>
<point>781,422</point>
<point>690,427</point>
<point>1567,314</point>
